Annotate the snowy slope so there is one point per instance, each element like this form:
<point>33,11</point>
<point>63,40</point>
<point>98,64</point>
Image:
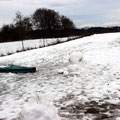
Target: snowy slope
<point>13,47</point>
<point>92,92</point>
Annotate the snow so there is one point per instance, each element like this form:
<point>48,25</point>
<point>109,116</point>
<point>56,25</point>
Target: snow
<point>75,57</point>
<point>96,80</point>
<point>13,47</point>
<point>35,110</point>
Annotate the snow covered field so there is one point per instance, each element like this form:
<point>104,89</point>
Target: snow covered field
<point>92,93</point>
<point>13,47</point>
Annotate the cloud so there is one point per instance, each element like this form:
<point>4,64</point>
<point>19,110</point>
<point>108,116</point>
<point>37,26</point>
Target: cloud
<point>84,13</point>
<point>114,15</point>
<point>6,0</point>
<point>49,2</point>
<point>111,23</point>
<point>105,24</point>
<point>87,25</point>
<point>4,22</point>
<point>62,2</point>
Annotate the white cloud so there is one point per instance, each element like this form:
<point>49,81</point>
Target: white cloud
<point>111,23</point>
<point>49,2</point>
<point>6,0</point>
<point>105,24</point>
<point>4,22</point>
<point>85,13</point>
<point>115,14</point>
<point>87,25</point>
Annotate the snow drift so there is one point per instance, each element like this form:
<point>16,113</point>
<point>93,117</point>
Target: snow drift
<point>34,109</point>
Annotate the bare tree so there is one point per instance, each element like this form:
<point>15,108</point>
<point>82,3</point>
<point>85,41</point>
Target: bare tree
<point>18,19</point>
<point>20,27</point>
<point>66,23</point>
<point>24,22</point>
<point>27,23</point>
<point>46,19</point>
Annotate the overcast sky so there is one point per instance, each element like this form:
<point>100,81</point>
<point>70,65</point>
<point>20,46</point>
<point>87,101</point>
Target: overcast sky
<point>84,13</point>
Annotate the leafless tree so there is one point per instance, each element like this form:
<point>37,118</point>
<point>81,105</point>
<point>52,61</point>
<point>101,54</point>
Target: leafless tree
<point>46,19</point>
<point>66,23</point>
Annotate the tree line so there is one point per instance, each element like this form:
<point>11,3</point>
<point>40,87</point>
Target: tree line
<point>42,22</point>
<point>46,23</point>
